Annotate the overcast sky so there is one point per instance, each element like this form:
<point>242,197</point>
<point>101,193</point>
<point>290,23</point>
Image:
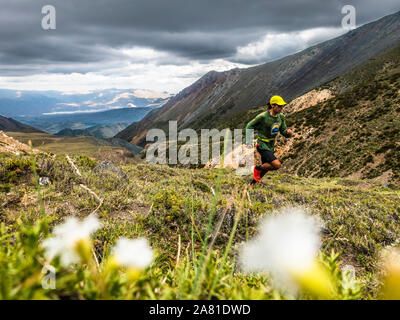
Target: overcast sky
<point>162,45</point>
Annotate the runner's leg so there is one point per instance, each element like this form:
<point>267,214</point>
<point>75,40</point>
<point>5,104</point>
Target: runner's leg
<point>274,165</point>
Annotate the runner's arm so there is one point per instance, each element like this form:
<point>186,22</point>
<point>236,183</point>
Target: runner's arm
<point>283,128</point>
<point>251,126</point>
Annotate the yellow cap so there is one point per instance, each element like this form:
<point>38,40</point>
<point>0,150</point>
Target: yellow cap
<point>277,100</point>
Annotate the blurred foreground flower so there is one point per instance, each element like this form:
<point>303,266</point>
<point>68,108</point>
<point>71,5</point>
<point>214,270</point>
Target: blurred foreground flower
<point>391,274</point>
<point>71,241</point>
<point>287,247</point>
<point>133,253</point>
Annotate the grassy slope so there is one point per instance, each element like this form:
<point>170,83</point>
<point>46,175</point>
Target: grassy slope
<point>376,67</point>
<point>158,201</point>
<point>87,146</point>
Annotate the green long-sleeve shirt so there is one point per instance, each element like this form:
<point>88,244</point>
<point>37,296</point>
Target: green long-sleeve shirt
<point>267,128</point>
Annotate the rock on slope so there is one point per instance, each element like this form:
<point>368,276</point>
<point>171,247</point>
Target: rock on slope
<point>10,145</point>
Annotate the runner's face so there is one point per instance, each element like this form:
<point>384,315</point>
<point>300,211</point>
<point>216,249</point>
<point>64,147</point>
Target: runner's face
<point>277,108</point>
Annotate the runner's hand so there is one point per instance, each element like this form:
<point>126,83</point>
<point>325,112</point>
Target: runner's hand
<point>289,132</point>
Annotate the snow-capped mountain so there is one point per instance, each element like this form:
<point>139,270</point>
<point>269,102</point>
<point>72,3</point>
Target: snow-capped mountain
<point>17,103</point>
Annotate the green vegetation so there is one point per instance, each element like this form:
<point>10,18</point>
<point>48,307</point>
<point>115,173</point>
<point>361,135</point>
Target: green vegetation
<point>63,145</point>
<point>195,220</point>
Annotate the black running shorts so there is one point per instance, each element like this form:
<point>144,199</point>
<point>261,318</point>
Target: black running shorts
<point>266,156</point>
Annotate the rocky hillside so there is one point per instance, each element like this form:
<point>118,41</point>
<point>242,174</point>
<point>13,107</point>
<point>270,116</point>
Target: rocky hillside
<point>217,97</point>
<point>356,133</point>
<point>8,124</point>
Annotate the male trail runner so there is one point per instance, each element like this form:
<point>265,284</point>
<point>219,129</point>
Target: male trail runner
<point>267,125</point>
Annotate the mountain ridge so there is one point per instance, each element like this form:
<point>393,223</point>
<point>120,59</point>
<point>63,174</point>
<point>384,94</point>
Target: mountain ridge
<point>216,97</point>
<point>98,131</point>
<point>9,124</point>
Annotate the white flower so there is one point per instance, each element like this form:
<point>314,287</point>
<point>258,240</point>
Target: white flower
<point>66,236</point>
<point>349,281</point>
<point>390,274</point>
<point>133,253</point>
<point>288,243</point>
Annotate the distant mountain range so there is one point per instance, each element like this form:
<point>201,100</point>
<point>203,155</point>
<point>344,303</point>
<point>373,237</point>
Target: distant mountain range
<point>54,123</point>
<point>218,97</point>
<point>15,103</point>
<point>99,135</point>
<point>8,124</point>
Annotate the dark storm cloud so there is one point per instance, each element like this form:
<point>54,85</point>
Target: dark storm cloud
<point>88,30</point>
